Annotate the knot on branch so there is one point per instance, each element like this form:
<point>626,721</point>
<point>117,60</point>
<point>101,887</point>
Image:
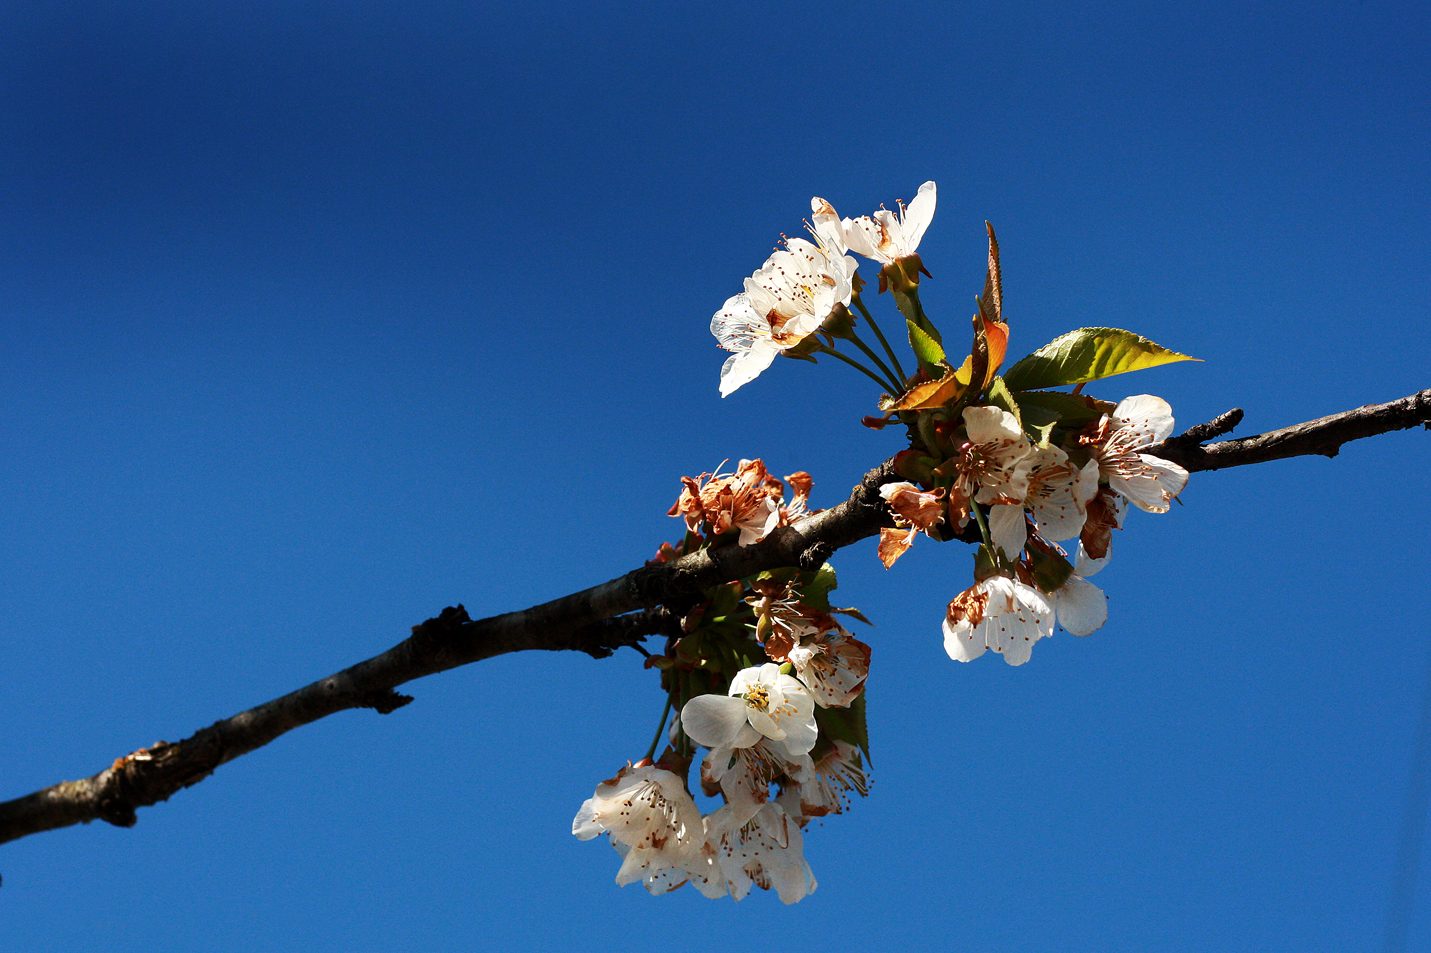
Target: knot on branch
<point>384,701</point>
<point>435,632</point>
<point>816,556</point>
<point>150,775</point>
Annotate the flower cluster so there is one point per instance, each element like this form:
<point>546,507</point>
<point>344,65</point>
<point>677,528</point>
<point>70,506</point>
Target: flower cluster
<point>762,675</point>
<point>1026,497</point>
<point>766,679</point>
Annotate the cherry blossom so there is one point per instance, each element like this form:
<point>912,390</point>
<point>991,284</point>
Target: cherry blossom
<point>999,613</point>
<point>1148,482</point>
<point>766,851</point>
<point>887,237</point>
<point>647,811</point>
<point>744,775</point>
<point>838,772</point>
<point>831,662</point>
<point>746,501</point>
<point>762,702</point>
<point>1059,492</point>
<point>783,303</point>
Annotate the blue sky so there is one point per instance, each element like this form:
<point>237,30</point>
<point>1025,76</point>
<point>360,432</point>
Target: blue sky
<point>316,318</point>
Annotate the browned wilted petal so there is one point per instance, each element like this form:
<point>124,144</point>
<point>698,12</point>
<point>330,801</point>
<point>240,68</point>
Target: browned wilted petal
<point>968,606</point>
<point>1105,514</point>
<point>893,543</point>
<point>688,504</point>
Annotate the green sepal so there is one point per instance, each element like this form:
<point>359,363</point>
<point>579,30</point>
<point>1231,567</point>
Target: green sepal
<point>985,565</point>
<point>846,724</point>
<point>1088,354</point>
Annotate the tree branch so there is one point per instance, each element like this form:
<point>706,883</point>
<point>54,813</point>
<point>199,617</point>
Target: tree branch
<point>618,613</point>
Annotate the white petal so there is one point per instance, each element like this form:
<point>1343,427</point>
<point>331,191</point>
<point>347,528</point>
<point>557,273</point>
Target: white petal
<point>917,216</point>
<point>1080,605</point>
<point>715,721</point>
<point>1008,529</point>
<point>1148,416</point>
<point>989,424</point>
<point>585,825</point>
<point>1085,565</point>
<point>961,642</point>
<point>741,369</point>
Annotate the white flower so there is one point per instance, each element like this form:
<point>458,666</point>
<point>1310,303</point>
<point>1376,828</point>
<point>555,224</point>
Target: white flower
<point>1058,493</point>
<point>762,703</point>
<point>783,303</point>
<point>1148,482</point>
<point>766,851</point>
<point>647,811</point>
<point>992,470</point>
<point>839,772</point>
<point>744,775</point>
<point>832,663</point>
<point>999,613</point>
<point>887,237</point>
<point>1080,606</point>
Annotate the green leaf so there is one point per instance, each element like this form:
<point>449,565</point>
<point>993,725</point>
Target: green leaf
<point>1000,396</point>
<point>1038,423</point>
<point>1071,411</point>
<point>846,724</point>
<point>853,614</point>
<point>926,349</point>
<point>816,592</point>
<point>1088,354</point>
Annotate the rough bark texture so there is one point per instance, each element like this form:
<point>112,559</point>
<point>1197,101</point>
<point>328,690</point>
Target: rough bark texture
<point>596,621</point>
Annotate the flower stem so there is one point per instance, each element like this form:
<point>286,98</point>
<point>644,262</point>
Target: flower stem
<point>893,359</point>
<point>660,729</point>
<point>874,357</point>
<point>983,526</point>
<point>823,349</point>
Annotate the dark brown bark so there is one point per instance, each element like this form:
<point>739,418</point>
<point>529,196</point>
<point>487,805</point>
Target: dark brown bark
<point>596,621</point>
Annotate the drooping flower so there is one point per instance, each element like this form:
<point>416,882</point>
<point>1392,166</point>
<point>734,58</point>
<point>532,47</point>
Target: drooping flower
<point>831,662</point>
<point>915,511</point>
<point>837,773</point>
<point>992,470</point>
<point>1059,492</point>
<point>648,811</point>
<point>762,702</point>
<point>998,613</point>
<point>783,303</point>
<point>744,775</point>
<point>744,500</point>
<point>766,851</point>
<point>1149,482</point>
<point>886,237</point>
